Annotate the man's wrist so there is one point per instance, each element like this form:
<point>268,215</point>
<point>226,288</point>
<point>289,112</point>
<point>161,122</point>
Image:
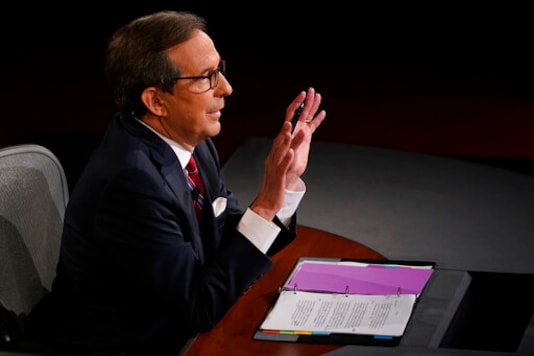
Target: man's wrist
<point>266,213</point>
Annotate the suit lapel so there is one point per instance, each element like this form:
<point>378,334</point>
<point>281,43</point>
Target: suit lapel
<point>170,169</point>
<point>208,172</point>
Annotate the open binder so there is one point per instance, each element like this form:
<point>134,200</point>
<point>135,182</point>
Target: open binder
<point>330,300</point>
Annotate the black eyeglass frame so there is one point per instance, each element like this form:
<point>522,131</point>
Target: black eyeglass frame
<point>215,75</point>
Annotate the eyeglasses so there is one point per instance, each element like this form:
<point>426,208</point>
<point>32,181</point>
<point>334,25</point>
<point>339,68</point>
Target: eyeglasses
<point>206,82</point>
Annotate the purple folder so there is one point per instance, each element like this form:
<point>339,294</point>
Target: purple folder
<point>366,279</point>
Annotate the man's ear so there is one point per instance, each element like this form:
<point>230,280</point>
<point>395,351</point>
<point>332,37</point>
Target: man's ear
<point>153,100</point>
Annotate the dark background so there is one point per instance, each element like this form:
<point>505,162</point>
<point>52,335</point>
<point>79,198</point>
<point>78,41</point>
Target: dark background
<point>444,79</point>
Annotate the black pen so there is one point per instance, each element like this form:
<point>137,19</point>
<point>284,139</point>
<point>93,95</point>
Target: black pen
<point>296,116</point>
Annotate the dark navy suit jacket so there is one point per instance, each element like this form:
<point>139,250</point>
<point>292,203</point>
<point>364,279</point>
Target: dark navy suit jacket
<point>136,270</point>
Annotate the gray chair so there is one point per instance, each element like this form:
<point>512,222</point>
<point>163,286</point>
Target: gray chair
<point>33,197</point>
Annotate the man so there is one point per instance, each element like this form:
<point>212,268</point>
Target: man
<point>138,272</point>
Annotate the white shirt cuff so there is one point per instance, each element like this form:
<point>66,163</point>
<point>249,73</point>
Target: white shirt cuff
<point>291,203</point>
<point>259,231</point>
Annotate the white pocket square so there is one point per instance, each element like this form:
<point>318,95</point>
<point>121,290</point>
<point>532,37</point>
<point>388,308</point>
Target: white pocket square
<point>219,205</point>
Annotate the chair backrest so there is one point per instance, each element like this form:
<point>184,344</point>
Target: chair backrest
<point>33,197</point>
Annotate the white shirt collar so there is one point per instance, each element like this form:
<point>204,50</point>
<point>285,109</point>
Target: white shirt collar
<point>182,154</point>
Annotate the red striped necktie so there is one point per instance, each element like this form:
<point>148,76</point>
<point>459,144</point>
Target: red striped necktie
<point>196,187</point>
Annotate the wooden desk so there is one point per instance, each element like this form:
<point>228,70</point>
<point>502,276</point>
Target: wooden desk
<point>233,334</point>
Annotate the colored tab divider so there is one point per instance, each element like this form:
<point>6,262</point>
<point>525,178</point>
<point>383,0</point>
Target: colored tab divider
<point>295,332</point>
<point>314,333</point>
